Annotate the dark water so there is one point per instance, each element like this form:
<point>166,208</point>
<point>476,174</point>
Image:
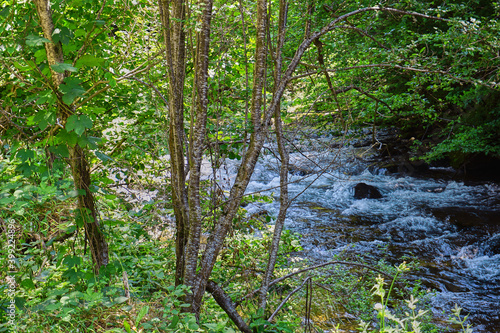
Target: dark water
<point>451,227</point>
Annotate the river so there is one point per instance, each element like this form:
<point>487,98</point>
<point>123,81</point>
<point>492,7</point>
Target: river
<point>452,227</point>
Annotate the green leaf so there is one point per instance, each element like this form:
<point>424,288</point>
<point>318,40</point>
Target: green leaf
<point>92,142</point>
<point>52,307</point>
<point>192,325</point>
<point>96,110</point>
<point>127,326</point>
<point>60,150</point>
<point>175,321</point>
<point>71,261</point>
<point>111,79</point>
<point>78,124</point>
<point>120,299</point>
<point>89,60</point>
<point>5,11</point>
<point>80,32</point>
<point>21,67</point>
<point>63,35</point>
<point>71,89</point>
<point>69,138</point>
<point>40,55</point>
<point>28,284</point>
<point>141,314</point>
<point>32,40</point>
<point>25,154</point>
<point>103,157</point>
<point>60,67</point>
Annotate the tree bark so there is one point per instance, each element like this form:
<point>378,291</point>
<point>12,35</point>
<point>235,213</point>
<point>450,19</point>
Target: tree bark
<point>77,159</point>
<point>284,202</point>
<point>227,305</point>
<point>249,160</point>
<point>198,147</point>
<point>175,53</point>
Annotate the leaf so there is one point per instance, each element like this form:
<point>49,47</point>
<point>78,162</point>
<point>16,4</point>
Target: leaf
<point>89,60</point>
<point>28,284</point>
<point>52,307</point>
<point>60,150</point>
<point>71,261</point>
<point>60,67</point>
<point>21,67</point>
<point>5,11</point>
<point>63,35</point>
<point>88,141</point>
<point>32,40</point>
<point>120,299</point>
<point>141,315</point>
<point>40,55</point>
<point>80,32</point>
<point>103,157</point>
<point>127,326</point>
<point>78,124</point>
<point>71,89</point>
<point>25,154</point>
<point>110,78</point>
<point>69,138</point>
<point>96,110</point>
<point>175,321</point>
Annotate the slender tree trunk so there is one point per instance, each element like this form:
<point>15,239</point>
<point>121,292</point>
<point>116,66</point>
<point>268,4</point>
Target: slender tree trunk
<point>77,160</point>
<point>173,14</point>
<point>198,147</point>
<point>284,202</point>
<point>216,239</point>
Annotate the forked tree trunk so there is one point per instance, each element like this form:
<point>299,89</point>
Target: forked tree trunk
<point>77,160</point>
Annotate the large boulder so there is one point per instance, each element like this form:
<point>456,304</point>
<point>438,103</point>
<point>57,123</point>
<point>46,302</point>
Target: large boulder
<point>365,191</point>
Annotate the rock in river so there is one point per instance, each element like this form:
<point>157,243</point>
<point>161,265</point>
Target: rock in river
<point>365,191</point>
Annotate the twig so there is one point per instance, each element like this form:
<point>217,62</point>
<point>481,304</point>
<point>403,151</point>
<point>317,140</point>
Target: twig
<point>288,297</point>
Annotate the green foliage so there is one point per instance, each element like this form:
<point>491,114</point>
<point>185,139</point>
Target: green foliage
<point>441,74</point>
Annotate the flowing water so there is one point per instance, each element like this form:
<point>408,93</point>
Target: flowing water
<point>451,227</point>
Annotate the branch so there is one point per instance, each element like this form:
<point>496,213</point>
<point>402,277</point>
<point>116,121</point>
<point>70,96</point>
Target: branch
<point>227,305</point>
<point>335,262</point>
<point>150,85</point>
<point>407,68</point>
<point>288,297</point>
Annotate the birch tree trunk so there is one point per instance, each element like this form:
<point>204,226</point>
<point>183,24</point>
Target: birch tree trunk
<point>77,159</point>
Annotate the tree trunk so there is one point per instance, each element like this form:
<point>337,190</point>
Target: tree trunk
<point>174,36</point>
<point>284,202</point>
<point>77,160</point>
